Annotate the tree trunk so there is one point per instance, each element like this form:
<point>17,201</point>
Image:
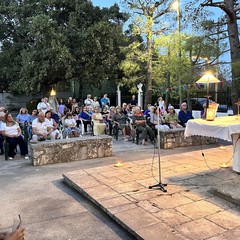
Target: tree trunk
<point>232,27</point>
<point>168,83</point>
<point>233,37</point>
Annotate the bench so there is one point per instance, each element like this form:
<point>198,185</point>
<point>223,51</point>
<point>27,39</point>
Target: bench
<point>68,150</point>
<point>174,138</point>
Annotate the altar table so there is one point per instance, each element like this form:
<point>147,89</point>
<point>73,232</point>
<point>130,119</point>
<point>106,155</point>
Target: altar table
<point>226,128</point>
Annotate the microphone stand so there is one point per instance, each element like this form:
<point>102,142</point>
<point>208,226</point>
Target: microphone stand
<point>159,185</point>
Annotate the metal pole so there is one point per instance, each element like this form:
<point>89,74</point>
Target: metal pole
<point>159,185</point>
<point>180,51</point>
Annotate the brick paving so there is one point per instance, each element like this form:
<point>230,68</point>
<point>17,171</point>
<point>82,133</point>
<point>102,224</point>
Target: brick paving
<point>189,209</point>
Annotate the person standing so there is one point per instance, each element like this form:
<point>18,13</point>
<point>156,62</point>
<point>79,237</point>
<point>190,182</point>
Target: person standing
<point>61,108</point>
<point>43,106</point>
<point>133,101</point>
<point>69,104</point>
<point>161,103</point>
<point>74,105</point>
<point>105,101</point>
<point>95,102</point>
<point>88,101</point>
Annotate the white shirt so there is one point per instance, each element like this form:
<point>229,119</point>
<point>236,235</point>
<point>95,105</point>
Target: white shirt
<point>43,107</point>
<point>88,101</point>
<point>95,104</point>
<point>49,122</point>
<point>70,122</point>
<point>161,104</point>
<point>1,123</point>
<point>10,130</point>
<point>40,126</point>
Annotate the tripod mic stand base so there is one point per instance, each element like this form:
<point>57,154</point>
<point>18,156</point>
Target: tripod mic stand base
<point>160,186</point>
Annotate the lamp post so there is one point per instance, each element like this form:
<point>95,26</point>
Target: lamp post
<point>206,79</point>
<point>177,6</point>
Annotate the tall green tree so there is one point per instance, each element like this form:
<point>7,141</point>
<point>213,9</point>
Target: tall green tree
<point>53,41</point>
<point>149,13</point>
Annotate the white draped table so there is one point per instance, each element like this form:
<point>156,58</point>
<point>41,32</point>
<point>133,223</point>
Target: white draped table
<point>226,128</point>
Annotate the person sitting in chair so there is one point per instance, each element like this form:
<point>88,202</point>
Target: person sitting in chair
<point>140,123</point>
<point>11,130</point>
<point>85,116</point>
<point>184,115</point>
<point>98,125</point>
<point>52,123</point>
<point>41,129</point>
<point>157,120</point>
<point>23,117</point>
<point>120,119</point>
<point>71,126</point>
<point>172,119</point>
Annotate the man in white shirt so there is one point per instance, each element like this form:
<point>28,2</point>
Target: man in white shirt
<point>41,129</point>
<point>88,101</point>
<point>43,106</point>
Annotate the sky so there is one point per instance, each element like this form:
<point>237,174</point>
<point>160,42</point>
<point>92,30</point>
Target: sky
<point>108,3</point>
<point>105,3</point>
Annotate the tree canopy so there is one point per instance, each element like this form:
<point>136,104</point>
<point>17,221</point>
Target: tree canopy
<point>50,41</point>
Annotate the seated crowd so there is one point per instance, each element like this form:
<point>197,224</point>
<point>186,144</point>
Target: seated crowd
<point>95,117</point>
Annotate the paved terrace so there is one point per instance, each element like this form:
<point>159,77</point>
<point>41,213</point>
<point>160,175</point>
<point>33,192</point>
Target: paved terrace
<point>189,210</point>
<point>51,210</point>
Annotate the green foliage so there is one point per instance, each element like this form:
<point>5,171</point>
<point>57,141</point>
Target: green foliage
<point>134,65</point>
<point>51,41</point>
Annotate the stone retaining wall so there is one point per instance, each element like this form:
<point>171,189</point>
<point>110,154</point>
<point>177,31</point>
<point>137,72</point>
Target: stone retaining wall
<point>68,150</point>
<point>174,138</point>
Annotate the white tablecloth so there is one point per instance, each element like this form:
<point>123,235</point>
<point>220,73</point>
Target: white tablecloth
<point>221,127</point>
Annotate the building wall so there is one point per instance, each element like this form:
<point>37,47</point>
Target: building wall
<point>12,102</point>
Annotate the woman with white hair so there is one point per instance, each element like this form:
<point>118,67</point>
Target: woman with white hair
<point>184,115</point>
<point>172,119</point>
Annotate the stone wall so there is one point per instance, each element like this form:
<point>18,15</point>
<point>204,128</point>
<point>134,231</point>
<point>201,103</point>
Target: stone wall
<point>68,150</point>
<point>174,138</point>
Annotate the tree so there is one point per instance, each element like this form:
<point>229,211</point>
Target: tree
<point>231,10</point>
<point>57,41</point>
<point>149,13</point>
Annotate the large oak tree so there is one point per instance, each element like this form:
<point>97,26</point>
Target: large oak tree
<point>50,41</point>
